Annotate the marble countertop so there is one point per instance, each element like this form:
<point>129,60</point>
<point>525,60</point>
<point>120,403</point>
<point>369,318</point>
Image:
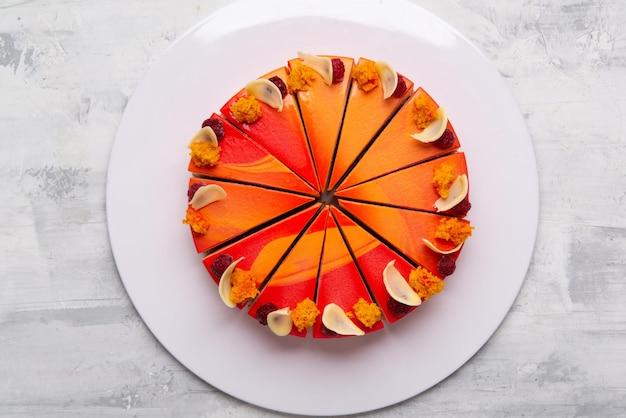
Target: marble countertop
<point>71,342</point>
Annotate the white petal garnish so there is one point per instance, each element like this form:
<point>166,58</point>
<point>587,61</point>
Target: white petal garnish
<point>397,286</point>
<point>206,134</point>
<point>440,251</point>
<point>335,319</point>
<point>388,78</point>
<point>436,128</point>
<point>267,92</point>
<point>456,194</point>
<point>225,286</point>
<point>280,322</point>
<point>206,195</point>
<point>322,65</point>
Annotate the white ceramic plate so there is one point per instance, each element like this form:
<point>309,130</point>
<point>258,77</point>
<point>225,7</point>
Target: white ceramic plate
<point>146,200</point>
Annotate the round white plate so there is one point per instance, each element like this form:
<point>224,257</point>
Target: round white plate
<point>146,201</point>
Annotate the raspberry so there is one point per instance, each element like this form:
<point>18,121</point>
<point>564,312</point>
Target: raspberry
<point>461,208</point>
<point>398,308</point>
<point>446,140</point>
<point>400,88</point>
<point>446,265</point>
<point>263,311</point>
<point>327,332</point>
<point>193,189</point>
<point>338,70</point>
<point>220,264</point>
<point>217,127</point>
<point>278,82</point>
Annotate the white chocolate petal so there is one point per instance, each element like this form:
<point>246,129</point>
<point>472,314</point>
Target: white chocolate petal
<point>267,92</point>
<point>206,195</point>
<point>206,134</point>
<point>436,128</point>
<point>397,286</point>
<point>388,78</point>
<point>225,285</point>
<point>322,65</point>
<point>437,250</point>
<point>456,194</point>
<point>335,319</point>
<point>280,322</point>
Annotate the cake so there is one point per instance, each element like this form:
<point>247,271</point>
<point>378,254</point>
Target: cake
<point>328,197</point>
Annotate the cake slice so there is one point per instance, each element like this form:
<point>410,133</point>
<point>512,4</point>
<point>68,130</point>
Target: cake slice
<point>396,148</point>
<point>367,111</point>
<point>260,253</point>
<point>372,257</point>
<point>280,131</point>
<point>423,237</point>
<point>242,160</point>
<point>223,210</point>
<point>321,105</point>
<point>291,287</point>
<point>419,187</point>
<point>341,288</point>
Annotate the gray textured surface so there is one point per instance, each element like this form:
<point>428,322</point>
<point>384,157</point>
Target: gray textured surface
<point>71,343</point>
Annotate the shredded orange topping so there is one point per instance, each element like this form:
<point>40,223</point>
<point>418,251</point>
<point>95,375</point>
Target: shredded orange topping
<point>443,179</point>
<point>425,111</point>
<point>196,221</point>
<point>367,313</point>
<point>246,109</point>
<point>244,286</point>
<point>204,154</point>
<point>454,229</point>
<point>425,283</point>
<point>366,75</point>
<point>304,314</point>
<point>300,78</point>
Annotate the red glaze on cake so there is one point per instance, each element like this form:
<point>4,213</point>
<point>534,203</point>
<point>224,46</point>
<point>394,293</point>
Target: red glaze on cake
<point>296,277</point>
<point>366,112</point>
<point>323,122</point>
<point>394,148</point>
<point>340,283</point>
<point>410,188</point>
<point>263,250</point>
<point>243,160</point>
<point>281,133</point>
<point>245,207</point>
<point>404,229</point>
<point>372,256</point>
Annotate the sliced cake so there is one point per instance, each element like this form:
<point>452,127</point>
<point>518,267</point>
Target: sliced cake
<point>439,185</point>
<point>367,112</point>
<point>227,153</point>
<point>269,114</point>
<point>412,136</point>
<point>219,211</point>
<point>321,84</point>
<point>287,303</point>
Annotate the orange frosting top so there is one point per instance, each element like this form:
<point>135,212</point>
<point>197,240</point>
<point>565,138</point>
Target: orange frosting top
<point>367,313</point>
<point>244,286</point>
<point>204,154</point>
<point>425,111</point>
<point>425,283</point>
<point>196,221</point>
<point>453,229</point>
<point>300,78</point>
<point>366,75</point>
<point>246,109</point>
<point>304,314</point>
<point>443,179</point>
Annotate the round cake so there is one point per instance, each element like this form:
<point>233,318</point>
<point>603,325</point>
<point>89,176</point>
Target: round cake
<point>328,197</point>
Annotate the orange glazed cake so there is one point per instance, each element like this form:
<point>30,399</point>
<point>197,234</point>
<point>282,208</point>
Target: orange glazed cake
<point>328,198</point>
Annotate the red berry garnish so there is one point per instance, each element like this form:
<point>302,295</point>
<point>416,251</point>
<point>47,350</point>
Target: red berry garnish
<point>193,189</point>
<point>327,332</point>
<point>220,264</point>
<point>446,265</point>
<point>400,88</point>
<point>263,311</point>
<point>338,70</point>
<point>217,127</point>
<point>461,208</point>
<point>398,308</point>
<point>278,82</point>
<point>446,140</point>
